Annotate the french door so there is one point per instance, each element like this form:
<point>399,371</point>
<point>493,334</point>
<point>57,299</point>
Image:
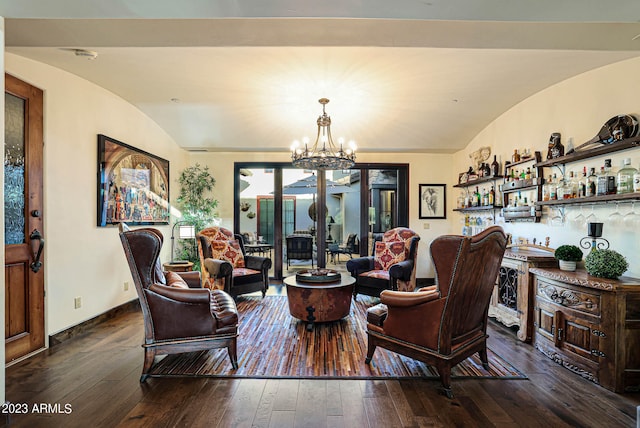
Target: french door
<point>273,200</point>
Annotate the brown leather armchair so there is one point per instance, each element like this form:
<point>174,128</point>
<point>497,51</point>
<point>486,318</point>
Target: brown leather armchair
<point>443,325</point>
<point>372,276</point>
<point>225,264</point>
<point>179,315</point>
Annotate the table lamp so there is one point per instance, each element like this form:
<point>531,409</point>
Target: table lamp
<point>186,230</point>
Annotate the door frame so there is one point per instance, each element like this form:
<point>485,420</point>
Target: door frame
<point>402,209</point>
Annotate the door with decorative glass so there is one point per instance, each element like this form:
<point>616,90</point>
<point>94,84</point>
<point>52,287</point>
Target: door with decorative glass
<point>24,241</point>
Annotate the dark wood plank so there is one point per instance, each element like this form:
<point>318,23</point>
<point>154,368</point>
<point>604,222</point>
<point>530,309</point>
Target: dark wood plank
<point>98,372</point>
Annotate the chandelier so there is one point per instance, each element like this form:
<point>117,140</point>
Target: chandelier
<point>324,154</point>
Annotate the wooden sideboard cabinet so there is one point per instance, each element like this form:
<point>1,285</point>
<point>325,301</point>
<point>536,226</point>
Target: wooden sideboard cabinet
<point>512,299</point>
<point>590,325</point>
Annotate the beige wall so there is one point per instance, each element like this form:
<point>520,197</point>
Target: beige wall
<point>577,108</point>
<point>80,258</point>
<point>423,168</point>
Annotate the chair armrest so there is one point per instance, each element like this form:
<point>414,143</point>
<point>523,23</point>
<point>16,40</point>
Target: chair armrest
<point>377,314</point>
<point>407,299</point>
<point>218,268</point>
<point>185,295</point>
<point>191,278</point>
<point>257,263</point>
<point>360,264</point>
<point>401,270</point>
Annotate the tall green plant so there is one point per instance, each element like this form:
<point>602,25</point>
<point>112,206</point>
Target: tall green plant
<point>197,205</point>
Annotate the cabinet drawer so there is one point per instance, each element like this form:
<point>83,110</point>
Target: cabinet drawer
<point>562,295</point>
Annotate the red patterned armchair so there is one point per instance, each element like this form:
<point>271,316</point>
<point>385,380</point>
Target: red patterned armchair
<point>392,265</point>
<point>226,266</point>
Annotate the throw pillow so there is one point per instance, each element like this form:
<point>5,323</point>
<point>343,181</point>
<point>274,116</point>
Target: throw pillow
<point>388,254</point>
<point>229,251</point>
<point>175,280</point>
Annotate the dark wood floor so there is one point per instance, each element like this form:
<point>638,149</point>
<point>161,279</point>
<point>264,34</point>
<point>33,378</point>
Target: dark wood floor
<point>96,375</point>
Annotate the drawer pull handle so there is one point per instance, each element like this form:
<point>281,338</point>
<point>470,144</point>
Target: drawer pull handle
<point>597,353</point>
<point>599,333</point>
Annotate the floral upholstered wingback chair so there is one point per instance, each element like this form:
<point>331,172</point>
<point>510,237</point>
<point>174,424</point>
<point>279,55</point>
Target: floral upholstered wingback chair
<point>392,265</point>
<point>226,266</point>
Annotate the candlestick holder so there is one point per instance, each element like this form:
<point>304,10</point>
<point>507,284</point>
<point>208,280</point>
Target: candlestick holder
<point>594,232</point>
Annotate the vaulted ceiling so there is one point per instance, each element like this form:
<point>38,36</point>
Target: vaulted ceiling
<point>401,75</point>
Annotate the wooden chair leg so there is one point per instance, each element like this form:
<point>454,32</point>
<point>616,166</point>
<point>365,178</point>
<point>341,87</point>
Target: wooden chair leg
<point>233,355</point>
<point>149,357</point>
<point>445,379</point>
<point>371,348</point>
<point>483,357</point>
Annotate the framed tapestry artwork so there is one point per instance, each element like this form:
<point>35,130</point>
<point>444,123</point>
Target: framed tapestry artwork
<point>433,201</point>
<point>133,185</point>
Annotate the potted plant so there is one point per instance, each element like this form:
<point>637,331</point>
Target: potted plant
<point>197,205</point>
<point>605,263</point>
<point>568,256</point>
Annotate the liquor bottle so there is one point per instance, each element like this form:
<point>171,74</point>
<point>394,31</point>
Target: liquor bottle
<point>625,177</point>
<point>527,174</point>
<point>562,189</point>
<point>592,183</point>
<point>602,182</point>
<point>611,177</point>
<point>492,196</point>
<point>485,198</point>
<point>545,190</point>
<point>460,202</point>
<point>553,188</point>
<point>495,167</point>
<point>516,156</point>
<point>582,184</point>
<point>636,181</point>
<point>572,185</point>
<point>476,198</point>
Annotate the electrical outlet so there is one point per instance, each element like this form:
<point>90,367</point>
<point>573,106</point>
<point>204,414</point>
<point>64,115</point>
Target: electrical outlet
<point>426,225</point>
<point>77,302</point>
<point>126,286</point>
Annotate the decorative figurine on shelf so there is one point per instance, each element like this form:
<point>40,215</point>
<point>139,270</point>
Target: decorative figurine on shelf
<point>556,149</point>
<point>479,156</point>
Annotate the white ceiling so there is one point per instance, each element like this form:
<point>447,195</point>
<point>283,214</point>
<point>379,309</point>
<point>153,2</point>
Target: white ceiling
<point>401,75</point>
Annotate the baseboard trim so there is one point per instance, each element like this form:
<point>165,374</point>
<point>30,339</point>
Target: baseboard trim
<point>64,335</point>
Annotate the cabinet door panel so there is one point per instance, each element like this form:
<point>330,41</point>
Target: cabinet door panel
<point>545,315</point>
<point>577,337</point>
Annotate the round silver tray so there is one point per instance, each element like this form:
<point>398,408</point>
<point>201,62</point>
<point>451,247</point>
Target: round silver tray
<point>318,275</point>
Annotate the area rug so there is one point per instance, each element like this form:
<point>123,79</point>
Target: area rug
<point>273,344</point>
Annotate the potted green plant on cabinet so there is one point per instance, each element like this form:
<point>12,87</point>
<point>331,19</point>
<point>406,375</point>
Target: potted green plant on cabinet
<point>198,207</point>
<point>568,256</point>
<point>605,263</point>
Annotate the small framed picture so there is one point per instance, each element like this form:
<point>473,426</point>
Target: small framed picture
<point>433,201</point>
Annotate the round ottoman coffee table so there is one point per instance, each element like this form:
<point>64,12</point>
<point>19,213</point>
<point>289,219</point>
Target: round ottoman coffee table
<point>319,301</point>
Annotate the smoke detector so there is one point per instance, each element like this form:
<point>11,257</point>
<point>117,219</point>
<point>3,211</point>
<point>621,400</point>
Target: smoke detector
<point>83,53</point>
